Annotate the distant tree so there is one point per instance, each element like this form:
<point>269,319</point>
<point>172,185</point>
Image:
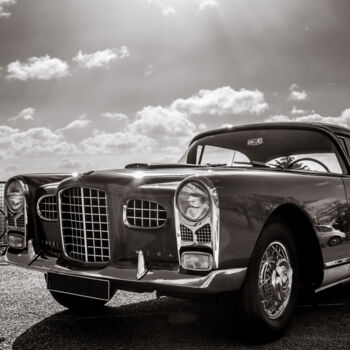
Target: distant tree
<point>285,161</point>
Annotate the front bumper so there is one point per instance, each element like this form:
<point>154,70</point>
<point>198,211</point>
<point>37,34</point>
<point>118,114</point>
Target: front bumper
<point>163,281</point>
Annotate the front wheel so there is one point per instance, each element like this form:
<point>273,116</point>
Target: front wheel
<point>76,303</point>
<point>270,292</point>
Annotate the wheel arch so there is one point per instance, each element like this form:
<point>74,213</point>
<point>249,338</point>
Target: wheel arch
<point>308,247</point>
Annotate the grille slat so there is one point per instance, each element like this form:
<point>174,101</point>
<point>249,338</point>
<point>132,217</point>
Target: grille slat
<point>47,208</point>
<point>84,224</point>
<point>141,213</point>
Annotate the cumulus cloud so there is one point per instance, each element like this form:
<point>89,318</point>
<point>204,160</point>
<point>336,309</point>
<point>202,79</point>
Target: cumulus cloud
<point>223,101</point>
<point>101,58</point>
<point>149,70</point>
<point>294,87</point>
<point>70,164</point>
<point>111,143</point>
<point>79,123</point>
<point>4,13</point>
<point>39,141</point>
<point>343,119</point>
<point>296,110</point>
<point>25,114</point>
<point>298,95</point>
<point>41,68</point>
<point>204,4</point>
<point>120,117</point>
<point>166,10</point>
<point>163,123</point>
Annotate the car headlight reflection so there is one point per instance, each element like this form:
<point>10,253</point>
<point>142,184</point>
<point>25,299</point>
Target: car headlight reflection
<point>193,201</point>
<point>15,196</point>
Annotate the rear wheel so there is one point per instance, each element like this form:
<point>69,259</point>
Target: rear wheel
<point>270,292</point>
<point>78,304</point>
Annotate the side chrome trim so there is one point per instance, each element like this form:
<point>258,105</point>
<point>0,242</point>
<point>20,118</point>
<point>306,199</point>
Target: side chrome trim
<point>38,208</point>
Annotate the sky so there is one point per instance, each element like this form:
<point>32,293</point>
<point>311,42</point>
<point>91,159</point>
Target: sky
<point>99,84</point>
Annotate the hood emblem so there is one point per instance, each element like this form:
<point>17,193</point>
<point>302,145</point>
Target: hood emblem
<point>141,265</point>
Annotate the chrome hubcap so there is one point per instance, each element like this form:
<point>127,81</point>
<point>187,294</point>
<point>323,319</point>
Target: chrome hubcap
<point>275,280</point>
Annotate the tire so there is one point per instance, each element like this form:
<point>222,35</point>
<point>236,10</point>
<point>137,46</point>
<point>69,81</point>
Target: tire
<point>77,304</point>
<point>278,284</point>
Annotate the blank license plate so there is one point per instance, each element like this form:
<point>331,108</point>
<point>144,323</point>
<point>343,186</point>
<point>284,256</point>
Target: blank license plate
<point>82,286</point>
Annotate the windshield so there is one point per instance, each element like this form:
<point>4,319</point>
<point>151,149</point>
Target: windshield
<point>290,148</point>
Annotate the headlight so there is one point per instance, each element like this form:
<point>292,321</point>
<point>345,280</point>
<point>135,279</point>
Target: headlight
<point>193,201</point>
<point>15,196</point>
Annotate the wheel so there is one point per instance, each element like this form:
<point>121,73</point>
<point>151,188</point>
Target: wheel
<point>270,292</point>
<point>76,303</point>
<point>334,241</point>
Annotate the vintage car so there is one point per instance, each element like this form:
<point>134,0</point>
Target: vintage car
<point>244,210</point>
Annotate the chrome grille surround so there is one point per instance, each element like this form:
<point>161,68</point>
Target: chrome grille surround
<point>84,224</point>
<point>47,207</point>
<point>143,213</point>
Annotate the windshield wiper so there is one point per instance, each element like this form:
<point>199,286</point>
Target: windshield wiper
<point>214,164</point>
<point>261,164</point>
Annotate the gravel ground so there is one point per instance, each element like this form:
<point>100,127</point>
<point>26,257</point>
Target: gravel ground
<point>31,319</point>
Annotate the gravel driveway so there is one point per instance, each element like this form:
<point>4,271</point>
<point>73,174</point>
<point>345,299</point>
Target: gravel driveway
<point>30,319</point>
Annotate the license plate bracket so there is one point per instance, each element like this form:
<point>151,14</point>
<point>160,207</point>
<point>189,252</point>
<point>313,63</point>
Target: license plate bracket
<point>87,287</point>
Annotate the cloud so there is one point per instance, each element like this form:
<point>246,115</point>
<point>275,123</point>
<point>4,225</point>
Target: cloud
<point>41,141</point>
<point>293,87</point>
<point>111,143</point>
<point>25,114</point>
<point>296,110</point>
<point>100,58</point>
<point>3,12</point>
<point>223,101</point>
<point>204,4</point>
<point>115,116</point>
<point>342,120</point>
<point>79,123</point>
<point>298,95</point>
<point>149,70</point>
<point>41,68</point>
<point>70,164</point>
<point>166,10</point>
<point>163,123</point>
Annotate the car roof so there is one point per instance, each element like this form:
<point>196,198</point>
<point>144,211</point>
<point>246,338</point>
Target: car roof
<point>280,125</point>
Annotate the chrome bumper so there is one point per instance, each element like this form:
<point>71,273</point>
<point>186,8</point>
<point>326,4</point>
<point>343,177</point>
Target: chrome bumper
<point>217,281</point>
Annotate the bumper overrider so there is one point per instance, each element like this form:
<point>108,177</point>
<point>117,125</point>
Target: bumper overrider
<point>197,227</point>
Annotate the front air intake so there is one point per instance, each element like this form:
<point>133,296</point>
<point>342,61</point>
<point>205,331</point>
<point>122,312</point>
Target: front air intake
<point>47,208</point>
<point>139,213</point>
<point>84,224</point>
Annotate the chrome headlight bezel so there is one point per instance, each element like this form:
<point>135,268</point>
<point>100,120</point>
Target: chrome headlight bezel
<point>202,195</point>
<point>15,196</point>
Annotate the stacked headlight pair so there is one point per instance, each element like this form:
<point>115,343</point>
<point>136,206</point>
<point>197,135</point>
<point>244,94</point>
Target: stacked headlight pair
<point>193,202</point>
<point>15,200</point>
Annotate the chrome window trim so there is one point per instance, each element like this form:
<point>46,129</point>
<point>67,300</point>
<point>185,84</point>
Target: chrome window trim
<point>64,252</point>
<point>38,207</point>
<point>125,219</point>
<point>213,218</point>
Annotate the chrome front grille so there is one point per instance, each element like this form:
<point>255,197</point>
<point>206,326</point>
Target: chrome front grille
<point>47,208</point>
<point>84,224</point>
<point>201,236</point>
<point>139,213</point>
